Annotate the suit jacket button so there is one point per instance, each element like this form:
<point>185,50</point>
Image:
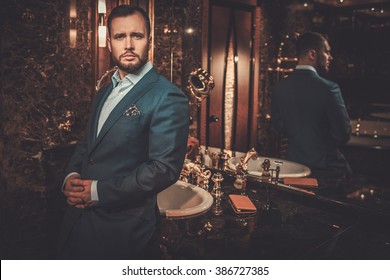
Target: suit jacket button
<point>91,161</point>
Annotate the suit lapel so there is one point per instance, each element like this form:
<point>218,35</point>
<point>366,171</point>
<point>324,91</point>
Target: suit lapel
<point>101,97</point>
<point>138,91</point>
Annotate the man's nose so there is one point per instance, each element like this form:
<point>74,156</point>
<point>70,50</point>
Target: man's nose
<point>129,43</point>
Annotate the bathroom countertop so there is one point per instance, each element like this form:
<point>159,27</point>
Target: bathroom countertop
<point>346,220</point>
<point>297,225</point>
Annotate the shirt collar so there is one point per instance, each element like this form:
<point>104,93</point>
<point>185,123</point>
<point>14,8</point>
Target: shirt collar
<point>134,78</point>
<point>306,67</point>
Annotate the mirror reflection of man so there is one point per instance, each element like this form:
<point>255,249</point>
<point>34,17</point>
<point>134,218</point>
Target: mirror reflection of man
<point>310,111</point>
<point>134,148</point>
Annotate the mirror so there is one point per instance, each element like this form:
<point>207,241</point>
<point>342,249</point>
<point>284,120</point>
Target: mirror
<point>200,83</point>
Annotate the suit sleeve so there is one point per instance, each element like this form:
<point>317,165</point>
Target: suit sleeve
<point>340,125</point>
<point>76,160</point>
<point>167,146</point>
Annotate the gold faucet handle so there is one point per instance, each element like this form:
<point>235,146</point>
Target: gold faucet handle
<point>251,154</point>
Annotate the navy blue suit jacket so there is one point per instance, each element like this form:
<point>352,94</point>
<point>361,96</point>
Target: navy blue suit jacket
<point>133,159</point>
<point>310,111</point>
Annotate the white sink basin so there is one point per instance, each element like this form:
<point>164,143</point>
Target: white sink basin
<point>183,200</point>
<point>287,168</point>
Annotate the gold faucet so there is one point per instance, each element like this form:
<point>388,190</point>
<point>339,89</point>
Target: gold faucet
<point>242,166</point>
<point>196,173</point>
<point>242,170</point>
<point>224,156</point>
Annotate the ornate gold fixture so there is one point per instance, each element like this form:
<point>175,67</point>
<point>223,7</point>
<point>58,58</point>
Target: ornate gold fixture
<point>200,83</point>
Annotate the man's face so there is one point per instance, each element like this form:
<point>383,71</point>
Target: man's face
<point>129,43</point>
<point>324,58</point>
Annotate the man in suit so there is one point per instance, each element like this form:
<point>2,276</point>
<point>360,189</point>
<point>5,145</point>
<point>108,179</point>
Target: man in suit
<point>134,148</point>
<point>310,111</point>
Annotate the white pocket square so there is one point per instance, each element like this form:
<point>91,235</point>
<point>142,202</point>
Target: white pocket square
<point>132,111</point>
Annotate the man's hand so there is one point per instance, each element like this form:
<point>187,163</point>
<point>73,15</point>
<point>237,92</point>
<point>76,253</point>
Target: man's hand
<point>78,192</point>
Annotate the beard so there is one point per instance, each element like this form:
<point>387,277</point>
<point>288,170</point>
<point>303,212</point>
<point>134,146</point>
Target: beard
<point>132,67</point>
<point>321,66</point>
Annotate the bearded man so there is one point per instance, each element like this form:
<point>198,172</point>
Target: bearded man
<point>310,111</point>
<point>135,145</point>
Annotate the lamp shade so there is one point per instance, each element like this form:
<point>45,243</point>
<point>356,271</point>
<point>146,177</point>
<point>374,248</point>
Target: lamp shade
<point>102,36</point>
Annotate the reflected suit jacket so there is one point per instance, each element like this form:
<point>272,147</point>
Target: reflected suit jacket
<point>138,153</point>
<point>310,111</point>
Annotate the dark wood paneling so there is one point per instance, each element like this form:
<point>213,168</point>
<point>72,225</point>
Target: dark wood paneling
<point>219,38</point>
<point>244,78</point>
<point>227,20</point>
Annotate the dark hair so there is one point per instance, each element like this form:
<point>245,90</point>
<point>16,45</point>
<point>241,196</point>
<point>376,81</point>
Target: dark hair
<point>310,41</point>
<point>127,10</point>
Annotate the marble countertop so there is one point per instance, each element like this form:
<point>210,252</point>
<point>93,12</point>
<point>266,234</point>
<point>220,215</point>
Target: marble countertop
<point>297,225</point>
<point>346,220</point>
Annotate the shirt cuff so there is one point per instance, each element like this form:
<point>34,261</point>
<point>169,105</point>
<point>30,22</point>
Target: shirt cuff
<point>66,178</point>
<point>94,193</point>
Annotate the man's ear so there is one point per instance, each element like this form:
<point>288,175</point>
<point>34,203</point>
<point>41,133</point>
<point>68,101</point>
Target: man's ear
<point>109,43</point>
<point>150,42</point>
<point>312,54</point>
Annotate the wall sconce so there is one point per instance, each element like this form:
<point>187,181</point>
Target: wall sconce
<point>73,24</point>
<point>102,28</point>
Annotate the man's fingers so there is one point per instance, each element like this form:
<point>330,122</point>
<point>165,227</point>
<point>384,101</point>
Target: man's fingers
<point>76,182</point>
<point>80,206</point>
<point>74,189</point>
<point>75,195</point>
<point>73,200</point>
